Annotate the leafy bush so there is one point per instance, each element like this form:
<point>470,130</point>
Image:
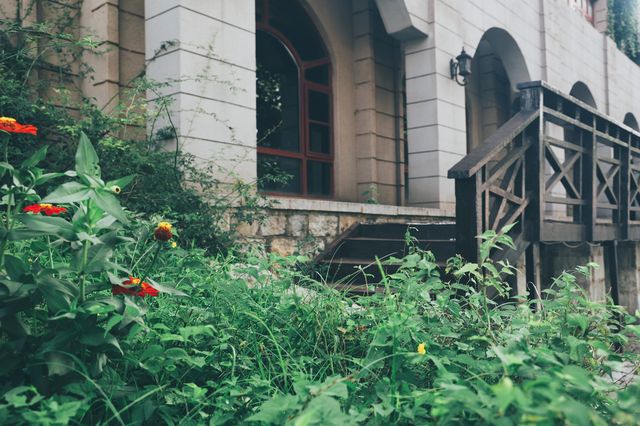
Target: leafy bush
<point>166,183</point>
<point>256,342</point>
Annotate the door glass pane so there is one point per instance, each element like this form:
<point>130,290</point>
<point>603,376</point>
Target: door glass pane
<point>319,138</point>
<point>319,179</point>
<point>277,95</point>
<point>319,74</point>
<point>279,174</point>
<point>318,106</point>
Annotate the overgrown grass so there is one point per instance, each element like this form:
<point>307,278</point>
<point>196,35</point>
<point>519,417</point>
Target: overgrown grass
<point>247,345</point>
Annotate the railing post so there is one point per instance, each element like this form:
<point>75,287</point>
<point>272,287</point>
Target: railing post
<point>468,217</point>
<point>625,177</point>
<point>534,166</point>
<point>590,182</point>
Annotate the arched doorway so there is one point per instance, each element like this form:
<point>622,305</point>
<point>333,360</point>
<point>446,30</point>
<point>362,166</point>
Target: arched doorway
<point>630,120</point>
<point>293,102</point>
<point>491,95</point>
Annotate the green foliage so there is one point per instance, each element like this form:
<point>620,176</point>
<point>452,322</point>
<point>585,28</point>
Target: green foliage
<point>58,323</point>
<point>624,27</point>
<point>257,342</point>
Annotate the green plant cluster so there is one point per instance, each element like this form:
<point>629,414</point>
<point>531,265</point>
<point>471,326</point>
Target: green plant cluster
<point>624,26</point>
<point>41,67</point>
<point>256,342</point>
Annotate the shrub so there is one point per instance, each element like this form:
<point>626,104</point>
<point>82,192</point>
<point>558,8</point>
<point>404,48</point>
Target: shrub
<point>166,183</point>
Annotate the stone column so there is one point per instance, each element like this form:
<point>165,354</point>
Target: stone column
<point>204,51</point>
<point>99,18</point>
<point>558,258</point>
<point>629,275</point>
<point>365,89</point>
<point>435,110</point>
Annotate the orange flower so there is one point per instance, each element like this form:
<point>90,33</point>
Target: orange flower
<point>163,231</point>
<point>10,125</point>
<point>48,209</point>
<point>134,288</point>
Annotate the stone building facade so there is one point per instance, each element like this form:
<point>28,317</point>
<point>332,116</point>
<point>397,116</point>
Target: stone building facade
<point>390,80</point>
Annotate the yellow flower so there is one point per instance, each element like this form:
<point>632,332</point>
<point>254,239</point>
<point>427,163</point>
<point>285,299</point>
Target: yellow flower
<point>422,349</point>
<point>165,226</point>
<point>7,120</point>
<point>174,244</point>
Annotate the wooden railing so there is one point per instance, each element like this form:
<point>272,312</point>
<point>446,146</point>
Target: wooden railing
<point>559,169</point>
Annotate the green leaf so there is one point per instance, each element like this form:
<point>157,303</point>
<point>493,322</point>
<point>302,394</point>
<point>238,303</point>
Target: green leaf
<point>467,268</point>
<point>122,182</point>
<point>99,338</point>
<point>23,234</point>
<point>48,176</point>
<point>578,320</point>
<point>15,267</point>
<point>58,294</point>
<point>22,396</point>
<point>332,386</point>
<point>69,192</point>
<point>176,353</point>
<point>107,202</point>
<point>99,256</point>
<point>37,157</point>
<point>86,158</point>
<point>48,225</point>
<point>6,166</point>
<point>276,410</point>
<point>196,330</point>
<point>504,393</point>
<point>165,289</point>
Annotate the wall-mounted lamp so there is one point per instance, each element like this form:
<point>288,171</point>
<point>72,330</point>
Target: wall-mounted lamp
<point>461,66</point>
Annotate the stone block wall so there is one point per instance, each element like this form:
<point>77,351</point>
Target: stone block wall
<point>297,226</point>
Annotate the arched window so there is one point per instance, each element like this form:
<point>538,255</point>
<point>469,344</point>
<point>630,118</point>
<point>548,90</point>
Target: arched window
<point>294,119</point>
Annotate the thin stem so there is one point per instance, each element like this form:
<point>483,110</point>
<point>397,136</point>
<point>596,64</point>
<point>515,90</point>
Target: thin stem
<point>8,226</point>
<point>85,256</point>
<point>50,251</point>
<point>153,262</point>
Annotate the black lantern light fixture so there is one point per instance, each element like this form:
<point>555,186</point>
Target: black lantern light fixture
<point>461,66</point>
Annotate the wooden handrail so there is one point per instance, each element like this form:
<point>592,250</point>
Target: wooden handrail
<point>492,146</point>
<point>548,88</point>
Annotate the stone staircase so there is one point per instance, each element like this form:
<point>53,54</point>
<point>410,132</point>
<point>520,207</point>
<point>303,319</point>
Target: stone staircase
<point>349,264</point>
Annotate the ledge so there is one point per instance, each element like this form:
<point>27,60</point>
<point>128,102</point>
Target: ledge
<point>284,203</point>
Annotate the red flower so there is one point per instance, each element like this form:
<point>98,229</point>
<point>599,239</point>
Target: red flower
<point>134,288</point>
<point>48,209</point>
<point>163,231</point>
<point>12,126</point>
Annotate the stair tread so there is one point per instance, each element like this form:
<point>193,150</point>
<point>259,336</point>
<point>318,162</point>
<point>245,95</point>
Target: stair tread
<point>450,240</point>
<point>362,261</point>
<point>357,288</point>
<point>351,262</point>
<point>356,261</point>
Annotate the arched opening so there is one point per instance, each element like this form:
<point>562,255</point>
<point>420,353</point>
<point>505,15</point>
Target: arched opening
<point>293,102</point>
<point>491,95</point>
<point>581,92</point>
<point>630,120</point>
